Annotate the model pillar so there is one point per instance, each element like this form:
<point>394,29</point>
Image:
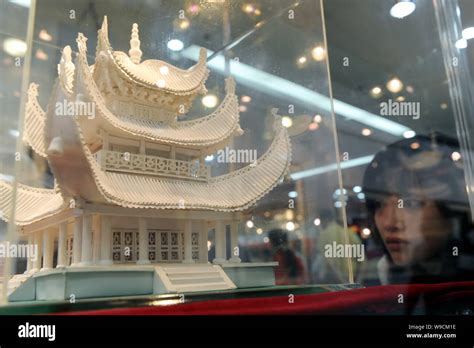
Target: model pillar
<point>62,245</point>
<point>29,263</point>
<point>96,232</point>
<point>86,252</point>
<point>188,248</point>
<point>203,252</point>
<point>105,240</point>
<point>48,249</point>
<point>77,241</point>
<point>220,240</point>
<point>142,242</point>
<point>234,242</point>
<point>39,245</point>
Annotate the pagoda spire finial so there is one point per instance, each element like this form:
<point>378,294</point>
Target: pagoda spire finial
<point>103,37</point>
<point>135,53</point>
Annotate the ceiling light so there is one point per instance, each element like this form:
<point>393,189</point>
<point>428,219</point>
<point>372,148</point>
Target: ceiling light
<point>302,60</point>
<point>400,98</point>
<point>443,106</point>
<point>361,195</point>
<point>292,194</point>
<point>415,145</point>
<point>266,240</point>
<point>181,23</point>
<point>44,35</point>
<point>184,24</point>
<point>41,55</point>
<point>402,8</point>
<point>257,12</point>
<point>366,132</point>
<point>455,156</point>
<point>409,134</point>
<point>357,189</point>
<point>14,47</point>
<point>286,121</point>
<point>318,53</point>
<point>317,222</point>
<point>210,101</point>
<point>290,226</point>
<point>359,161</point>
<point>376,92</point>
<point>461,43</point>
<point>313,126</point>
<point>395,85</point>
<point>249,224</point>
<point>209,158</point>
<point>410,89</point>
<point>242,108</point>
<point>175,45</point>
<point>468,33</point>
<point>259,231</point>
<point>246,99</point>
<point>366,232</point>
<point>194,9</point>
<point>248,8</point>
<point>317,118</point>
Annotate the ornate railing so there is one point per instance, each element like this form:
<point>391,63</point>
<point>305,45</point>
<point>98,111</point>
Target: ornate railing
<point>153,165</point>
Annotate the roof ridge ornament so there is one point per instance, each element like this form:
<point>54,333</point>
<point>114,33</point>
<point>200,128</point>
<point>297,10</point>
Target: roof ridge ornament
<point>81,43</point>
<point>135,53</point>
<point>230,85</point>
<point>277,122</point>
<point>103,43</point>
<point>33,90</point>
<point>66,68</point>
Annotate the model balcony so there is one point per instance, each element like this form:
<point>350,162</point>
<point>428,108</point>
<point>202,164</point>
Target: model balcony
<point>152,165</point>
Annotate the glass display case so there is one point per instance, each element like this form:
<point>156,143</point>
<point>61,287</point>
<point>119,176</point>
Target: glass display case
<point>158,152</point>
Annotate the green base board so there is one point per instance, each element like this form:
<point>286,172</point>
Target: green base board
<point>46,307</point>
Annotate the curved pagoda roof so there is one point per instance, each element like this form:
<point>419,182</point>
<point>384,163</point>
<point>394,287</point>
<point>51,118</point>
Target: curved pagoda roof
<point>154,74</point>
<point>153,83</point>
<point>213,131</point>
<point>32,204</point>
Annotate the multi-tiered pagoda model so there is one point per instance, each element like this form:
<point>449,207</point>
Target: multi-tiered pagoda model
<point>134,200</point>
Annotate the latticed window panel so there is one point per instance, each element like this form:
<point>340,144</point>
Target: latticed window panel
<point>128,238</point>
<point>174,238</point>
<point>195,239</point>
<point>164,238</point>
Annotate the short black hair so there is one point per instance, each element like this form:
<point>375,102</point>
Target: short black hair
<point>278,237</point>
<point>420,168</point>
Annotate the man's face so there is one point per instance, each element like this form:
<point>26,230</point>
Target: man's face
<point>412,230</point>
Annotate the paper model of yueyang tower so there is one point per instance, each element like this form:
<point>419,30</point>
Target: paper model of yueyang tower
<point>134,200</point>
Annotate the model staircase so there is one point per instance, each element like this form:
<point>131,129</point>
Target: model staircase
<point>16,281</point>
<point>183,278</point>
